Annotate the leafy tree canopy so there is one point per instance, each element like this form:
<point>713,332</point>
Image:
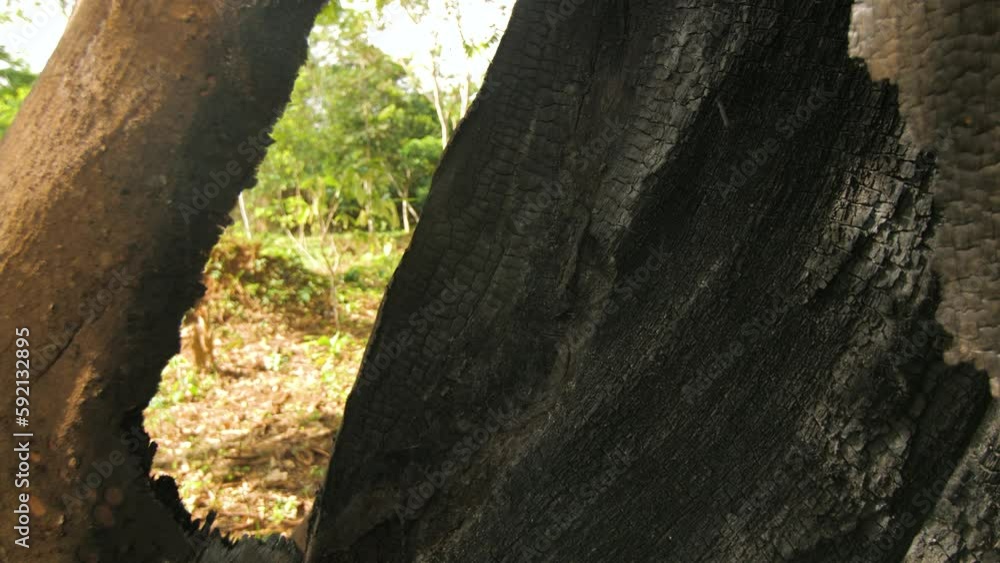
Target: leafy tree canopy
<point>356,144</point>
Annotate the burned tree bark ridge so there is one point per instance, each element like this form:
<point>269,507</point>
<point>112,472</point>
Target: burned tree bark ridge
<point>944,57</point>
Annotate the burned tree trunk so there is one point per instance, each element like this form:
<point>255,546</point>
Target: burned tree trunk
<point>674,296</point>
<point>672,299</point>
<point>115,181</point>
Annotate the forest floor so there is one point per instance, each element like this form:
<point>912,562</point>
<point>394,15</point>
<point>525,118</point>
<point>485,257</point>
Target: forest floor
<point>249,435</point>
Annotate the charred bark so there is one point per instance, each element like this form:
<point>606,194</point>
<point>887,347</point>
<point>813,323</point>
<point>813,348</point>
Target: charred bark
<point>948,97</point>
<point>671,299</point>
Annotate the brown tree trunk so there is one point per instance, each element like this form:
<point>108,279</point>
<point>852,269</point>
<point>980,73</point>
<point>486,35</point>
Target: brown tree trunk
<point>115,181</point>
<point>672,299</point>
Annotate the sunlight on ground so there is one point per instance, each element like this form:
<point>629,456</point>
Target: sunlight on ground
<point>250,438</point>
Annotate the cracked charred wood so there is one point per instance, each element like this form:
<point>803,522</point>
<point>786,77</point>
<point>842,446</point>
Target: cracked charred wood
<point>690,286</point>
<point>704,318</point>
<point>945,57</point>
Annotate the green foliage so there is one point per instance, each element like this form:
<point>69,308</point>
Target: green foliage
<point>241,273</point>
<point>418,159</point>
<point>16,79</point>
<point>324,350</point>
<point>15,83</point>
<point>373,273</point>
<point>355,141</point>
<point>449,83</point>
<point>188,385</point>
<point>358,145</point>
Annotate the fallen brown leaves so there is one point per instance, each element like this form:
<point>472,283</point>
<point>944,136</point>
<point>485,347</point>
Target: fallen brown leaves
<point>252,441</point>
